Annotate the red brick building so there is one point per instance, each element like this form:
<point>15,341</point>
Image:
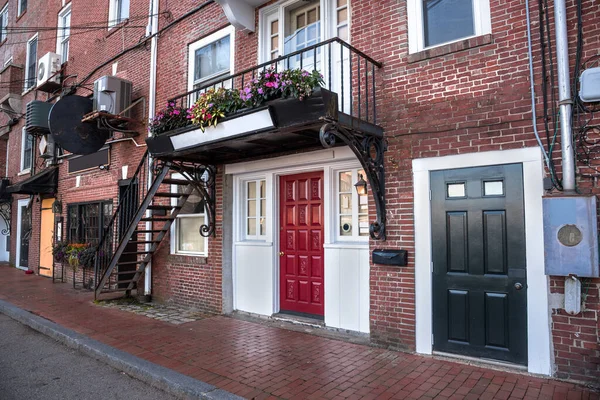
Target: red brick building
<point>430,102</point>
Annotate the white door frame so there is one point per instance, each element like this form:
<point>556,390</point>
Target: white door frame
<point>539,345</point>
<point>20,204</point>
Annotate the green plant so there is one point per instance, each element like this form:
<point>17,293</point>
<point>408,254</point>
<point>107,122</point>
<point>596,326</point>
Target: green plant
<point>170,118</point>
<point>271,85</point>
<point>87,256</point>
<point>213,105</point>
<point>59,251</point>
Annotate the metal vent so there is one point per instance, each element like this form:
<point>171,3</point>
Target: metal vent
<point>36,120</point>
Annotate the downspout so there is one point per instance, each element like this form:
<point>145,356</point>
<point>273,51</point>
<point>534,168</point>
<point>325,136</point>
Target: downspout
<point>564,96</point>
<point>153,25</point>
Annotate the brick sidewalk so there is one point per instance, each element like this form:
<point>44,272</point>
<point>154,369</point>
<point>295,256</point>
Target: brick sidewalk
<point>257,361</point>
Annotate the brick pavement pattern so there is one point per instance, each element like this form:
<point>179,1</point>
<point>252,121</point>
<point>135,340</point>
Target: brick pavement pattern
<point>256,361</point>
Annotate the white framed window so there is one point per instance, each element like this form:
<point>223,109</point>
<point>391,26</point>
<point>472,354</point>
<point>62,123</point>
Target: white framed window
<point>435,22</point>
<point>4,23</point>
<point>185,231</point>
<point>352,209</point>
<point>118,11</point>
<point>31,63</point>
<point>64,33</point>
<point>26,151</point>
<point>292,25</point>
<point>255,209</point>
<point>211,58</point>
<point>22,7</point>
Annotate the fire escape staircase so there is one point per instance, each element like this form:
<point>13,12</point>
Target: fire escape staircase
<point>140,230</point>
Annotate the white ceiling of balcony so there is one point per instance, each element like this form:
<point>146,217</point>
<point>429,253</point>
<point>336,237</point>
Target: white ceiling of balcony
<point>240,13</point>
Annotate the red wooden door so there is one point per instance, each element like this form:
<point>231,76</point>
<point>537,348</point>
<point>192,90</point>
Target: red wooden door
<point>301,243</point>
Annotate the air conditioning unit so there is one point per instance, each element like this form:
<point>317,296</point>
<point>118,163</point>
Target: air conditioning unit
<point>48,80</point>
<point>112,95</point>
<point>36,117</point>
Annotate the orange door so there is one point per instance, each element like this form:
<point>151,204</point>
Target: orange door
<point>46,234</point>
<point>301,244</point>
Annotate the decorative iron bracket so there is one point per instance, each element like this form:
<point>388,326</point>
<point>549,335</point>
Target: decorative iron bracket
<point>5,215</point>
<point>202,178</point>
<point>369,150</point>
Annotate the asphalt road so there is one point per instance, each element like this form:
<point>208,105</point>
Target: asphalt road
<point>33,366</point>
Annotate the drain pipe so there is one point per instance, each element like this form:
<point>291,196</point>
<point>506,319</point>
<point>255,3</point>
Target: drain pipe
<point>153,25</point>
<point>564,94</point>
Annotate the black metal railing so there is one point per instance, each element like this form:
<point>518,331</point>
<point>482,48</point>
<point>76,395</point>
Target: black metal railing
<point>346,71</point>
<point>130,199</point>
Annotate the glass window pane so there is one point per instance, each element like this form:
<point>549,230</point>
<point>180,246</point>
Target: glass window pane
<point>346,181</point>
<point>456,190</point>
<point>193,205</point>
<point>447,20</point>
<point>212,59</point>
<point>274,55</point>
<point>300,21</point>
<point>341,2</point>
<point>346,203</point>
<point>342,15</point>
<point>263,226</point>
<point>252,208</point>
<point>363,225</point>
<point>188,234</point>
<point>274,42</point>
<point>312,16</point>
<point>263,208</point>
<point>346,225</point>
<point>263,189</point>
<point>493,188</point>
<point>252,226</point>
<point>274,27</point>
<point>343,32</point>
<point>251,190</point>
<point>363,204</point>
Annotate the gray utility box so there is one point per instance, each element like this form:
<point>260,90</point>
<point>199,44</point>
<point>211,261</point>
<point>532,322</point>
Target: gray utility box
<point>113,95</point>
<point>571,236</point>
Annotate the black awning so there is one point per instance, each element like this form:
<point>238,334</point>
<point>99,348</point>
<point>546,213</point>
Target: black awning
<point>45,182</point>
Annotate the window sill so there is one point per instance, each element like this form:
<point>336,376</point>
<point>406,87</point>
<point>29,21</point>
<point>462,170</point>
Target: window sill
<point>21,15</point>
<point>31,89</point>
<point>2,42</point>
<point>450,48</point>
<point>116,27</point>
<point>186,258</point>
<point>25,172</point>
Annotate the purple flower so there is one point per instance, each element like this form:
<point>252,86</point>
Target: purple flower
<point>210,105</point>
<point>260,91</point>
<point>176,112</point>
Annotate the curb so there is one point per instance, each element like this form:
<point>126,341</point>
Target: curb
<point>170,381</point>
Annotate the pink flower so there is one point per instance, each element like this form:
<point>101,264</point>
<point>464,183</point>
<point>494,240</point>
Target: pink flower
<point>260,91</point>
<point>176,112</point>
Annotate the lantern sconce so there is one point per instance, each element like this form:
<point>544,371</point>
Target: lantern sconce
<point>361,186</point>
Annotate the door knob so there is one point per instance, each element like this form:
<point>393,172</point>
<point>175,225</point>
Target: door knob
<point>281,254</point>
<point>518,286</point>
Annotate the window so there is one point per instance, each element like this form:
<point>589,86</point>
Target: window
<point>64,33</point>
<point>186,229</point>
<point>211,58</point>
<point>87,221</point>
<point>4,22</point>
<point>352,209</point>
<point>118,12</point>
<point>22,7</point>
<point>296,25</point>
<point>26,151</point>
<point>31,63</point>
<point>255,209</point>
<point>435,22</point>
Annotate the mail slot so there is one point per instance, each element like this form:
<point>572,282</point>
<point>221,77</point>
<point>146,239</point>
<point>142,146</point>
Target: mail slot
<point>390,257</point>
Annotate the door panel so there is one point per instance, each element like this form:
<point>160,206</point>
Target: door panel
<point>46,234</point>
<point>301,244</point>
<point>25,223</point>
<point>478,231</point>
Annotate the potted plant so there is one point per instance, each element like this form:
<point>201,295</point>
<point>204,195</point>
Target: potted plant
<point>170,118</point>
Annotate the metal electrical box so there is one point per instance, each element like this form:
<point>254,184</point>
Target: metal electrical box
<point>113,95</point>
<point>571,236</point>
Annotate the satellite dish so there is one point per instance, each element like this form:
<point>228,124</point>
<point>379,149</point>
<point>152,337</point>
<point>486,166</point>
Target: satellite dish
<point>69,132</point>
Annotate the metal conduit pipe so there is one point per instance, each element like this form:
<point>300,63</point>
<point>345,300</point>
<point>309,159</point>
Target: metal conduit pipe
<point>564,96</point>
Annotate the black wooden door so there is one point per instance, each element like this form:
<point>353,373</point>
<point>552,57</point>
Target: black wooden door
<point>128,197</point>
<point>479,270</point>
<point>25,236</point>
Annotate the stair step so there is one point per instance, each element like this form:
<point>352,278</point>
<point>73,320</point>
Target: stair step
<point>159,207</point>
<point>136,252</point>
<point>143,241</point>
<point>133,271</point>
<point>129,262</point>
<point>183,182</point>
<point>150,231</point>
<point>127,281</point>
<point>157,219</point>
<point>164,194</point>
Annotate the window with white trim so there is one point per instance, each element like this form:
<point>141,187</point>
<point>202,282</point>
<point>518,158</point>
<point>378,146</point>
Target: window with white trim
<point>26,151</point>
<point>352,209</point>
<point>31,63</point>
<point>118,11</point>
<point>4,23</point>
<point>64,33</point>
<point>286,27</point>
<point>186,227</point>
<point>255,209</point>
<point>22,7</point>
<point>435,22</point>
<point>211,58</point>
